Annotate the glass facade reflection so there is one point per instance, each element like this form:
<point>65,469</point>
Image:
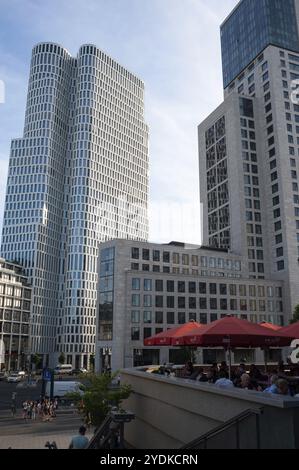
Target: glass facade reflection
<point>251,27</point>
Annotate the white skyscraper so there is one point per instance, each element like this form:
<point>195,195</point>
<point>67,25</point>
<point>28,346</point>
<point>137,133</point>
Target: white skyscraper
<point>78,176</point>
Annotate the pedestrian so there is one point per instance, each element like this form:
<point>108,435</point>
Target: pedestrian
<point>80,441</point>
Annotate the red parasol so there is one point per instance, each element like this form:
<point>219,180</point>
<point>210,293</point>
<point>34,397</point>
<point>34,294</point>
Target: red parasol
<point>291,330</point>
<point>231,332</point>
<point>271,326</point>
<point>166,338</point>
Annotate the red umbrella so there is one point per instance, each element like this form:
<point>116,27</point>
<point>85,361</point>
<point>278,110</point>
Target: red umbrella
<point>166,338</point>
<point>291,330</point>
<point>271,326</point>
<point>231,332</point>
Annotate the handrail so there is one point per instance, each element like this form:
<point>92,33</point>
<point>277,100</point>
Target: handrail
<point>228,424</point>
<point>101,435</point>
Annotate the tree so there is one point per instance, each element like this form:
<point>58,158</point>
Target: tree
<point>61,358</point>
<point>295,315</point>
<point>92,362</point>
<point>100,394</point>
<point>36,360</point>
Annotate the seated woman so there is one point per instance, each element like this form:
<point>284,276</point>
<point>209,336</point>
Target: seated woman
<point>188,370</point>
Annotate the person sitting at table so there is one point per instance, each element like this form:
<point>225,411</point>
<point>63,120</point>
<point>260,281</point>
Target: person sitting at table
<point>223,366</point>
<point>239,371</point>
<point>188,370</point>
<point>247,383</point>
<point>255,374</point>
<point>223,380</point>
<point>283,387</point>
<point>201,377</point>
<point>273,385</point>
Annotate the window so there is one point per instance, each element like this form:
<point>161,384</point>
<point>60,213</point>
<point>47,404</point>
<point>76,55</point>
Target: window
<point>135,316</point>
<point>202,288</point>
<point>192,287</point>
<point>166,257</point>
<point>170,286</point>
<point>181,286</point>
<point>159,317</point>
<point>135,334</point>
<point>159,285</point>
<point>181,302</point>
<point>147,333</point>
<point>135,253</point>
<point>181,318</point>
<point>147,300</point>
<point>135,284</point>
<point>145,254</point>
<point>280,265</point>
<point>159,301</point>
<point>213,304</point>
<point>170,301</point>
<point>147,317</point>
<point>170,318</point>
<point>156,255</point>
<point>147,284</point>
<point>136,300</point>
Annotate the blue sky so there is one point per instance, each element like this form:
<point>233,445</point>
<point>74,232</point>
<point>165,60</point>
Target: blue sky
<point>172,45</point>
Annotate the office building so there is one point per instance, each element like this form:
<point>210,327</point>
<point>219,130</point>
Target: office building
<point>146,288</point>
<point>249,146</point>
<point>77,177</point>
<point>15,300</point>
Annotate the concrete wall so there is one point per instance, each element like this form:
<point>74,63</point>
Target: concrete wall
<point>172,412</point>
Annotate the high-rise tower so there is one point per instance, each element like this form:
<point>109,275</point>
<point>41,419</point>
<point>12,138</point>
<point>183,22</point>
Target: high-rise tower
<point>249,146</point>
<point>79,176</point>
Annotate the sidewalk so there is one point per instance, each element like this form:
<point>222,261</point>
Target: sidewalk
<point>34,441</point>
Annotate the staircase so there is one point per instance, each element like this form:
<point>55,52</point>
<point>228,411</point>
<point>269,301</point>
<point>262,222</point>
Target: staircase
<point>240,432</point>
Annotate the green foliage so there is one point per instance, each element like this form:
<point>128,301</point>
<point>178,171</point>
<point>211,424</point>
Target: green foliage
<point>61,358</point>
<point>92,361</point>
<point>99,396</point>
<point>36,359</point>
<point>295,318</point>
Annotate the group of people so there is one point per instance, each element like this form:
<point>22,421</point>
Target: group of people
<point>44,409</point>
<point>254,379</point>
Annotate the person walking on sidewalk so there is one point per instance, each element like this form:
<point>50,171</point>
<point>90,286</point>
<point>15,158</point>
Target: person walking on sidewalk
<point>80,441</point>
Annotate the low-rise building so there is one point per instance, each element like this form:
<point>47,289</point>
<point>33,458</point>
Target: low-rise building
<point>15,301</point>
<point>145,288</point>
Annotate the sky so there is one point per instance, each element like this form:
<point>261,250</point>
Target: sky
<point>172,45</point>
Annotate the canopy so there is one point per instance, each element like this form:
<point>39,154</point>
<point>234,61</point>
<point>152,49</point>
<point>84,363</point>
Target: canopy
<point>231,332</point>
<point>271,326</point>
<point>166,338</point>
<point>291,330</point>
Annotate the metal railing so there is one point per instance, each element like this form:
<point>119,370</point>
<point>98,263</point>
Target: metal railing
<point>203,441</point>
<point>110,434</point>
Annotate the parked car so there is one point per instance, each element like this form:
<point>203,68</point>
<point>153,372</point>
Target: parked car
<point>79,371</point>
<point>63,369</point>
<point>22,373</point>
<point>14,377</point>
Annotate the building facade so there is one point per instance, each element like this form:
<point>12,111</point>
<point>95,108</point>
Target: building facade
<point>249,146</point>
<point>146,288</point>
<point>15,302</point>
<point>79,176</point>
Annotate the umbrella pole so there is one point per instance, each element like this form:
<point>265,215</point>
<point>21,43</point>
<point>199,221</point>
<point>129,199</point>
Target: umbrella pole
<point>265,358</point>
<point>230,363</point>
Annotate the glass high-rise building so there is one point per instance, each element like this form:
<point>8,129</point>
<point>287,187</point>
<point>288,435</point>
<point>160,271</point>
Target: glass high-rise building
<point>249,146</point>
<point>77,177</point>
<point>251,27</point>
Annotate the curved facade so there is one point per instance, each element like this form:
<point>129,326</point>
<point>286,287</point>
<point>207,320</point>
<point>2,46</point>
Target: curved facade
<point>78,177</point>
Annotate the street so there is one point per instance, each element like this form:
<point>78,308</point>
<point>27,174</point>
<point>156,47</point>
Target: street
<point>19,433</point>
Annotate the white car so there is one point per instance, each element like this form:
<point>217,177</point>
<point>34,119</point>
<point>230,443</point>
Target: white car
<point>15,377</point>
